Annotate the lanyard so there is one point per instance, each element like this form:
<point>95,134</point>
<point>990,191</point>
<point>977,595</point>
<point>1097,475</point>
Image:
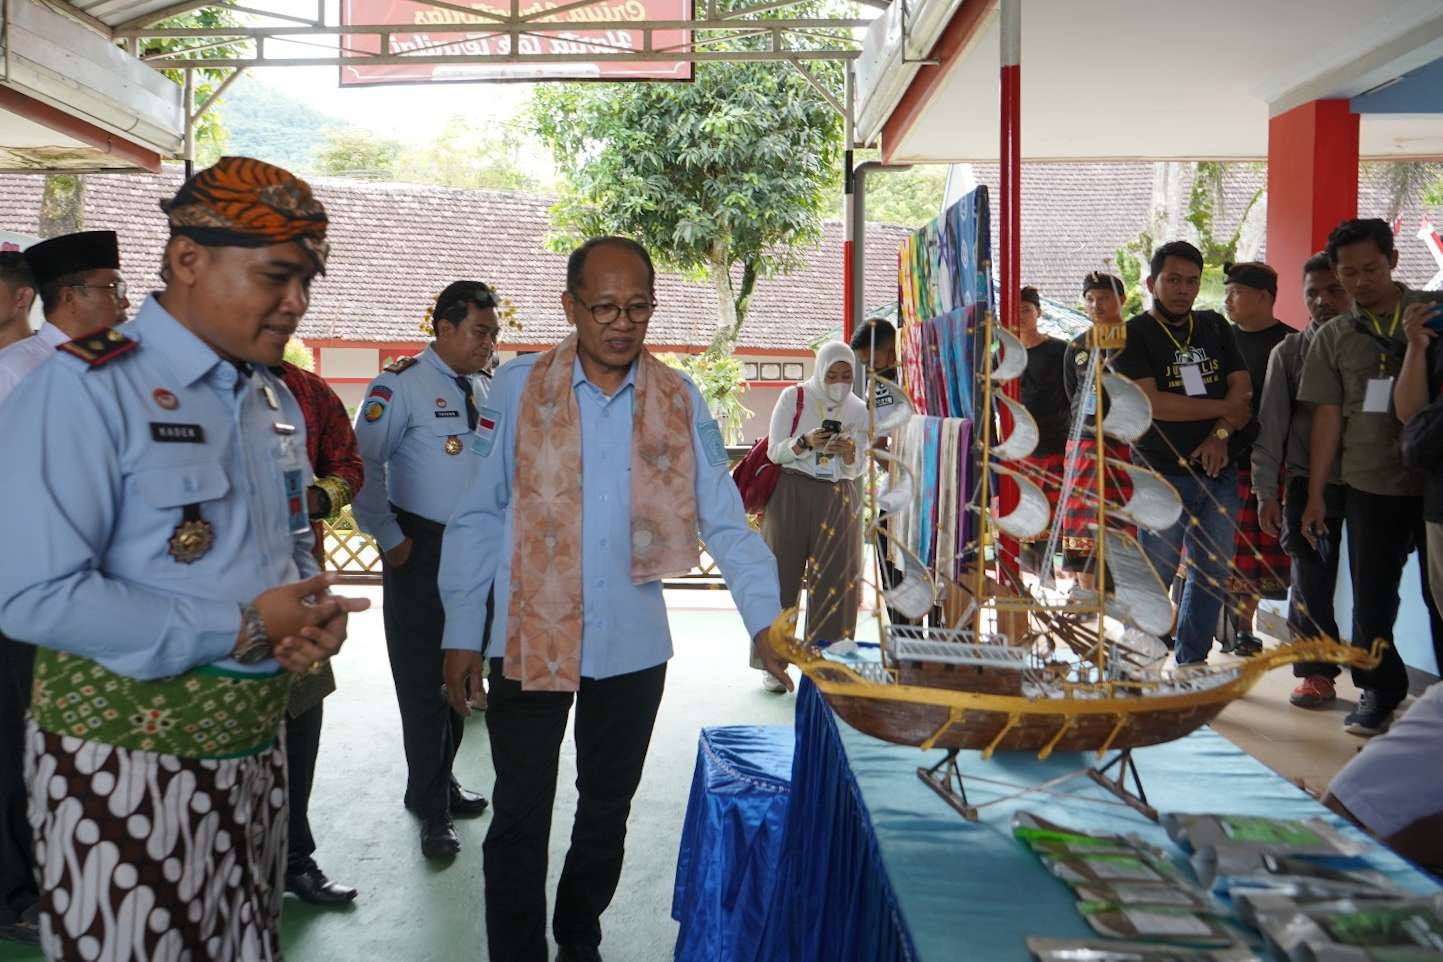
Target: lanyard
<point>1378,329</point>
<point>1184,346</point>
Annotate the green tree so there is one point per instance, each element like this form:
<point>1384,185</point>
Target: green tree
<point>910,197</point>
<point>726,176</point>
<point>357,152</point>
<point>465,155</point>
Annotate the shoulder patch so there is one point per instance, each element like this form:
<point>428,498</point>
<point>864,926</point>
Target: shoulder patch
<point>712,444</point>
<point>373,410</point>
<point>488,422</point>
<point>400,364</point>
<point>99,347</point>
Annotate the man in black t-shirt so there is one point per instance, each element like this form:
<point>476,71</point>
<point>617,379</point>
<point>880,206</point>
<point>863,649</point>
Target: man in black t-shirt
<point>1044,398</point>
<point>1187,363</point>
<point>1260,565</point>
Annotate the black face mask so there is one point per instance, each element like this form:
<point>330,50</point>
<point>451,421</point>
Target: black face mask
<point>1168,315</point>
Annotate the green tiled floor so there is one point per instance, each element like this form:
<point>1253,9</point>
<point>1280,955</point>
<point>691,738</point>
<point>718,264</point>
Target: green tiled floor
<point>410,911</point>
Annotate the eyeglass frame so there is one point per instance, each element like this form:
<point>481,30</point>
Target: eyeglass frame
<point>620,310</point>
<point>117,288</point>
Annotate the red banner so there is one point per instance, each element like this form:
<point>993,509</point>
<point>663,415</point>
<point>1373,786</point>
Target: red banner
<point>435,31</point>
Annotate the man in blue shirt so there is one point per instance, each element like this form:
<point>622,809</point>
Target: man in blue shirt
<point>564,525</point>
<point>414,428</point>
<point>161,563</point>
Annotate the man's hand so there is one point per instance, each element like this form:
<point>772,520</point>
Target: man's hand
<point>1212,454</point>
<point>1239,410</point>
<point>772,661</point>
<point>1414,330</point>
<point>1314,521</point>
<point>1270,517</point>
<point>306,621</point>
<point>400,554</point>
<point>462,675</point>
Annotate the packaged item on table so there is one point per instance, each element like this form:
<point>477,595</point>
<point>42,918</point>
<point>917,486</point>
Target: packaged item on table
<point>1146,893</point>
<point>1194,833</point>
<point>1339,876</point>
<point>1156,923</point>
<point>1082,868</point>
<point>1353,930</point>
<point>1049,838</point>
<point>1105,950</point>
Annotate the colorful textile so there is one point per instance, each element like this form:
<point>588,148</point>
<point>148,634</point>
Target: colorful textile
<point>543,637</point>
<point>207,712</point>
<point>1079,515</point>
<point>1260,565</point>
<point>145,856</point>
<point>937,525</point>
<point>241,202</point>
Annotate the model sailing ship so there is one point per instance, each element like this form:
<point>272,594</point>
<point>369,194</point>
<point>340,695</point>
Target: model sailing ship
<point>995,664</point>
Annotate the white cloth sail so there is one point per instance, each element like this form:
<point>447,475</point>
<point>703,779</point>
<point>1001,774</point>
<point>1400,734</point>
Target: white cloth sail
<point>1139,592</point>
<point>1014,356</point>
<point>1154,503</point>
<point>1030,516</point>
<point>1022,439</point>
<point>1129,412</point>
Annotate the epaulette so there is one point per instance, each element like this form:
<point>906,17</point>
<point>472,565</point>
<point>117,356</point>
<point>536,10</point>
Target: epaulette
<point>400,364</point>
<point>99,347</point>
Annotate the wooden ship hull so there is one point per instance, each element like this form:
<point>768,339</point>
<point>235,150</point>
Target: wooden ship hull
<point>1098,717</point>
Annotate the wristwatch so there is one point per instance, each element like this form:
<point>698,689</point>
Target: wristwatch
<point>257,645</point>
<point>1222,432</point>
<point>803,443</point>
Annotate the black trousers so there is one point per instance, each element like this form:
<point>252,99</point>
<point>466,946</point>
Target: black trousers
<point>303,744</point>
<point>614,718</point>
<point>17,846</point>
<point>1314,573</point>
<point>1382,531</point>
<point>430,730</point>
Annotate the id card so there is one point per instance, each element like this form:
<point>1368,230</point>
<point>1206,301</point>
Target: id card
<point>298,515</point>
<point>1089,404</point>
<point>1378,395</point>
<point>825,467</point>
<point>1192,380</point>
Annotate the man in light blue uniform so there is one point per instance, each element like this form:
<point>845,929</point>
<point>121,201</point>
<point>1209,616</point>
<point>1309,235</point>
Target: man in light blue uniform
<point>160,559</point>
<point>625,641</point>
<point>414,429</point>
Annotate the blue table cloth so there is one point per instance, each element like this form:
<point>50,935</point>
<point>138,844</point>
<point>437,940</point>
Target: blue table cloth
<point>875,866</point>
<point>731,841</point>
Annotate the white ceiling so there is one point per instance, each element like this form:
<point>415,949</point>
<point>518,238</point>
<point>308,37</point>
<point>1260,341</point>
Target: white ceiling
<point>1174,79</point>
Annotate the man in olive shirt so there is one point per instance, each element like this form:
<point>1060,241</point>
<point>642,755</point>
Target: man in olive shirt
<point>1349,375</point>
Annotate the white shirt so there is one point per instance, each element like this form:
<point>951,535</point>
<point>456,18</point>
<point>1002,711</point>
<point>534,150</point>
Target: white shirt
<point>25,355</point>
<point>781,449</point>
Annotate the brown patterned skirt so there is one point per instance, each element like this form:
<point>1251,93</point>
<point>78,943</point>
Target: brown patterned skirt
<point>146,856</point>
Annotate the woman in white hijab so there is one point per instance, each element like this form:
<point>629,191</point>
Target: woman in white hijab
<point>814,518</point>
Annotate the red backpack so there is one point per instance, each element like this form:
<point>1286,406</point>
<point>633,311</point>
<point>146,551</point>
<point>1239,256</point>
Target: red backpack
<point>756,475</point>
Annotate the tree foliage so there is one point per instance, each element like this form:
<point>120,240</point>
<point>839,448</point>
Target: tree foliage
<point>462,154</point>
<point>726,176</point>
<point>210,135</point>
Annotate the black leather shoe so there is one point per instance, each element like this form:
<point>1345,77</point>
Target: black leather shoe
<point>578,953</point>
<point>466,804</point>
<point>439,838</point>
<point>312,886</point>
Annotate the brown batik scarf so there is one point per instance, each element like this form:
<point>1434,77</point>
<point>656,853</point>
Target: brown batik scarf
<point>543,635</point>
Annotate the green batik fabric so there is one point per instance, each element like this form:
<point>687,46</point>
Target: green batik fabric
<point>205,713</point>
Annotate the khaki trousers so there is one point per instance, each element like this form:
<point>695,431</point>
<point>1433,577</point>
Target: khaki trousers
<point>815,530</point>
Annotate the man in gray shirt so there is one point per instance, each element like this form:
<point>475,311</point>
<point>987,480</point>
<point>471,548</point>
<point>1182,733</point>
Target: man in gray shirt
<point>1281,454</point>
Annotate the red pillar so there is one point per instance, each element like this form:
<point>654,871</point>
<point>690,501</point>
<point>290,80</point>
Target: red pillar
<point>1312,185</point>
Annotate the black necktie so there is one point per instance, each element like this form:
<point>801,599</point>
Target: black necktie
<point>464,383</point>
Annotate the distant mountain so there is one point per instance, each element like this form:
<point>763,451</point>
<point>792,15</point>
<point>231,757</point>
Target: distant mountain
<point>264,123</point>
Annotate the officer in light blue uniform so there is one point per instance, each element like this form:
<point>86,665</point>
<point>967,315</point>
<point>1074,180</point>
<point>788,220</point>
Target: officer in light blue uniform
<point>158,553</point>
<point>415,428</point>
<point>169,459</point>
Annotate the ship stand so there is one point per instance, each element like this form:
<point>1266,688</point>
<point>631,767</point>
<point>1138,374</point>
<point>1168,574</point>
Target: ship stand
<point>946,779</point>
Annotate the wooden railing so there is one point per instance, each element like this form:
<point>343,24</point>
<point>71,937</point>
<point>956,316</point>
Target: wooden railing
<point>355,555</point>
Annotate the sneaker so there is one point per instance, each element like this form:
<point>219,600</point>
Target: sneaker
<point>1314,691</point>
<point>1371,717</point>
<point>772,684</point>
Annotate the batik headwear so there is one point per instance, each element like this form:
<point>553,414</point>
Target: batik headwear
<point>90,250</point>
<point>241,202</point>
<point>1252,274</point>
<point>1098,281</point>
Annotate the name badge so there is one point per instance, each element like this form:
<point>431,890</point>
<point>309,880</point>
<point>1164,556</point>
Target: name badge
<point>1089,404</point>
<point>1378,396</point>
<point>825,468</point>
<point>298,515</point>
<point>448,414</point>
<point>1192,380</point>
<point>165,432</point>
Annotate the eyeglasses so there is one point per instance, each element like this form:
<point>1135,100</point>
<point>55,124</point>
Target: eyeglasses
<point>608,314</point>
<point>117,286</point>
